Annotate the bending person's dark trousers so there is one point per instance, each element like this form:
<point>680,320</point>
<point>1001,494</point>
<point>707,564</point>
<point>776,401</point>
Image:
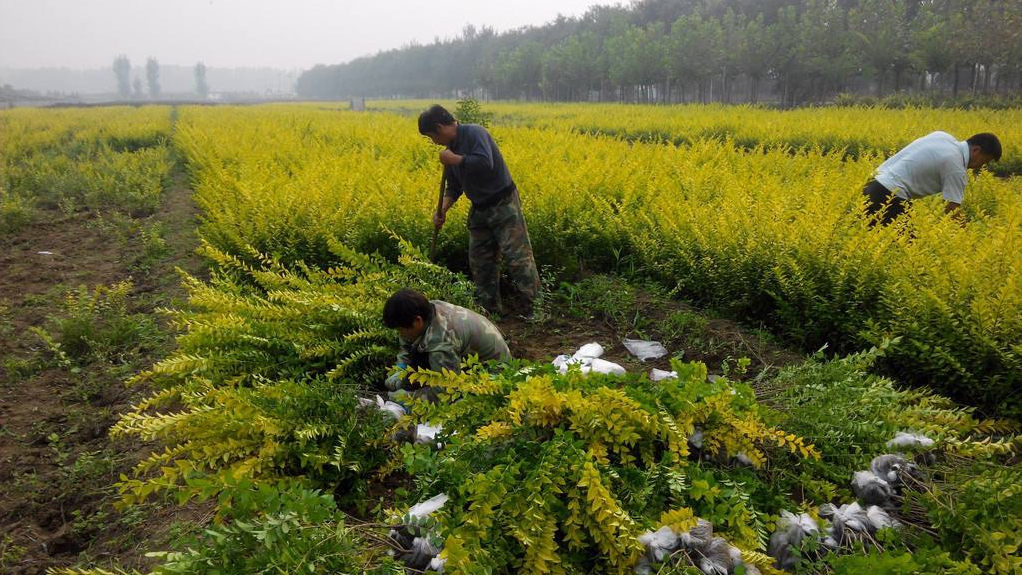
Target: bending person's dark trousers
<point>880,199</point>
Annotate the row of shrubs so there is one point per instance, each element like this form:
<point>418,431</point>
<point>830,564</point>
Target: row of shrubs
<point>101,159</point>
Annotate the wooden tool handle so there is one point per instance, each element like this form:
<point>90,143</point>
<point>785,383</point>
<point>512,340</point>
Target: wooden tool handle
<point>439,207</point>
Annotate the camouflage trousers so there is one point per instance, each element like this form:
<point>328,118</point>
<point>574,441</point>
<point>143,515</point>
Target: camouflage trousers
<point>499,231</point>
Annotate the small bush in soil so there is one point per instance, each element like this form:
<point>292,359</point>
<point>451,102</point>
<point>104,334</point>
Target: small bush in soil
<point>97,323</point>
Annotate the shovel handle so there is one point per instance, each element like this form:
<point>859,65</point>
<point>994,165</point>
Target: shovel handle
<point>439,207</point>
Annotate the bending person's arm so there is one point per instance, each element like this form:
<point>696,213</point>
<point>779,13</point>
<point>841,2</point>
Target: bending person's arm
<point>954,209</point>
<point>953,191</point>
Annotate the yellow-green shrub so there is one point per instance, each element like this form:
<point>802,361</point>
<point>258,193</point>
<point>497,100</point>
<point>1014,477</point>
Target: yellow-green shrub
<point>764,233</point>
<point>263,384</point>
<point>550,473</point>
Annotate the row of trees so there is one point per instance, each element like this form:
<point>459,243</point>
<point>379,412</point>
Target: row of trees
<point>721,50</point>
<point>127,89</point>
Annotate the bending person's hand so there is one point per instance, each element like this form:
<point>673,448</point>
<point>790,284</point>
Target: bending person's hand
<point>448,158</point>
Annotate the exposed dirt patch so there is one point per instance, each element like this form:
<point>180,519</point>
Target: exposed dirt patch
<point>687,333</point>
<point>57,463</point>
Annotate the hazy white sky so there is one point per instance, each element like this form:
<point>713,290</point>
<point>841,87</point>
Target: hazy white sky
<point>234,33</point>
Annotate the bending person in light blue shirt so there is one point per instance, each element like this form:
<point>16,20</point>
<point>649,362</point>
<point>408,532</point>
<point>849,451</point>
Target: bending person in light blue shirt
<point>935,163</point>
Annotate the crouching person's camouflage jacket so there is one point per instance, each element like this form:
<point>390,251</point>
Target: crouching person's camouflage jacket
<point>454,334</point>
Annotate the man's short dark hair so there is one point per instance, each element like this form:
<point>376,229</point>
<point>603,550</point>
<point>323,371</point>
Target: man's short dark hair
<point>988,143</point>
<point>430,120</point>
<point>402,308</point>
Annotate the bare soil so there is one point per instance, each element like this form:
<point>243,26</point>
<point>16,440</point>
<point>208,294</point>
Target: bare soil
<point>57,463</point>
<point>716,342</point>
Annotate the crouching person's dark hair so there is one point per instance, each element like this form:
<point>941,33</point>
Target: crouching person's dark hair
<point>430,120</point>
<point>988,143</point>
<point>402,308</point>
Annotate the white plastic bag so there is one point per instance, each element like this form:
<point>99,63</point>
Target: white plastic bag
<point>427,507</point>
<point>659,544</point>
<point>588,360</point>
<point>892,467</point>
<point>698,537</point>
<point>605,367</point>
<point>437,564</point>
<point>696,439</point>
<point>590,350</point>
<point>791,531</point>
<point>564,362</point>
<point>909,440</point>
<point>871,488</point>
<point>657,375</point>
<point>644,349</point>
<point>426,434</point>
<point>392,408</point>
<point>847,522</point>
<point>717,557</point>
<point>879,518</point>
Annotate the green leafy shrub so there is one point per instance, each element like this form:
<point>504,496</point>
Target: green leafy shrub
<point>600,297</point>
<point>263,384</point>
<point>15,211</point>
<point>154,245</point>
<point>98,159</point>
<point>97,323</point>
<point>850,415</point>
<point>978,512</point>
<point>276,528</point>
<point>898,560</point>
<point>555,472</point>
<point>470,112</point>
<point>132,182</point>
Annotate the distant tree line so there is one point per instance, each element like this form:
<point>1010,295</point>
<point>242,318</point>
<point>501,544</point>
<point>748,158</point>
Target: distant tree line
<point>128,89</point>
<point>791,51</point>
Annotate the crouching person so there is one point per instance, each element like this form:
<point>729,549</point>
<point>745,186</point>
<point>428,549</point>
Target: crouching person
<point>435,334</point>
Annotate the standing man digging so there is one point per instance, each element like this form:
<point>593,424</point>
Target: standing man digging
<point>475,167</point>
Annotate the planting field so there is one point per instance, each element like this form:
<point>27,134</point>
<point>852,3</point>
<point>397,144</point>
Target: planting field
<point>851,130</point>
<point>765,235</point>
<point>312,215</point>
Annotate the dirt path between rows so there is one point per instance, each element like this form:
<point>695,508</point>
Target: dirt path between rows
<point>57,463</point>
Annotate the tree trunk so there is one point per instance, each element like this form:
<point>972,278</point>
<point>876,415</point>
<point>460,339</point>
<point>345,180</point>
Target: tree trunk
<point>954,89</point>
